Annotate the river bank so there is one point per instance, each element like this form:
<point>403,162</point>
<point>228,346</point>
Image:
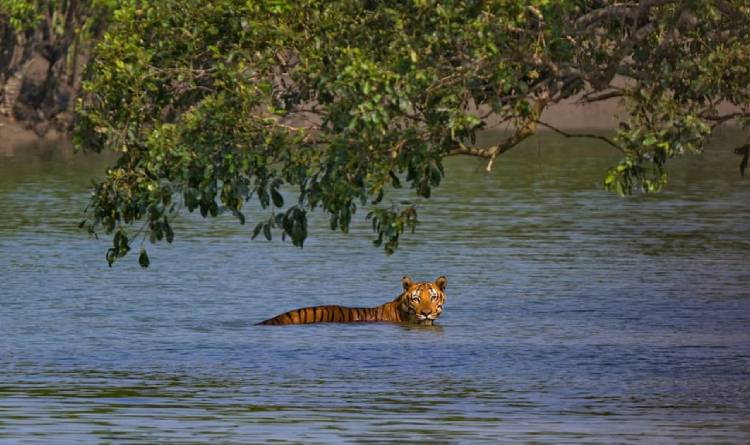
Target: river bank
<point>568,116</point>
<point>14,136</point>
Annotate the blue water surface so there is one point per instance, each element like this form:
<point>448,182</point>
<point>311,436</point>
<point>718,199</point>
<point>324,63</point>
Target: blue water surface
<point>573,315</point>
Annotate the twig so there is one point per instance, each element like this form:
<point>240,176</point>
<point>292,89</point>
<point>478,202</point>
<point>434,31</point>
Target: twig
<point>581,135</point>
<point>718,120</point>
<point>589,98</point>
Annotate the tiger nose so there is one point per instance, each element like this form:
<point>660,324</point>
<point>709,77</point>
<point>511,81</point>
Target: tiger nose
<point>425,312</point>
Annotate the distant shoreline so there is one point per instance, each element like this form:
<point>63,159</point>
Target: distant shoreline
<point>566,116</point>
<point>14,136</point>
<point>12,132</point>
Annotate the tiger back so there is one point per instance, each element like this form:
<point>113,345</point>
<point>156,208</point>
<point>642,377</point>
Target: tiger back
<point>420,303</point>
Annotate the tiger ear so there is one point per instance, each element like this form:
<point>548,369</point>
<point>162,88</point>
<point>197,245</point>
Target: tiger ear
<point>407,282</point>
<point>441,282</point>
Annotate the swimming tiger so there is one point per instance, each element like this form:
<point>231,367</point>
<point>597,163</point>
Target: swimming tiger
<point>419,303</point>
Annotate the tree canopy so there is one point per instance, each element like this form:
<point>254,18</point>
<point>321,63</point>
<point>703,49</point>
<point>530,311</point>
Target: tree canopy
<point>43,46</point>
<point>214,104</point>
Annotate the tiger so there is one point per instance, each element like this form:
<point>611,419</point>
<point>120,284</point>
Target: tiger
<point>420,303</point>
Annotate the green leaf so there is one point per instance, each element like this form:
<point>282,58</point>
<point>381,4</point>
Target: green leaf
<point>263,197</point>
<point>745,152</point>
<point>143,258</point>
<point>649,140</point>
<point>257,229</point>
<point>111,256</point>
<point>168,231</point>
<point>298,233</point>
<point>194,103</point>
<point>278,200</point>
<point>395,182</point>
<point>267,231</point>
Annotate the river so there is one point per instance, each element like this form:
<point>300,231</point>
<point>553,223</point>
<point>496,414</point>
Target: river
<point>573,315</point>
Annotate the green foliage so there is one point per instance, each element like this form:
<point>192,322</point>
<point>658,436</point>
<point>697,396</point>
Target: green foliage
<point>20,14</point>
<point>337,103</point>
<point>389,224</point>
<point>59,31</point>
<point>143,259</point>
<point>56,15</point>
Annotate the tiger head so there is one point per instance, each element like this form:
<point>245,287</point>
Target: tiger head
<point>423,302</point>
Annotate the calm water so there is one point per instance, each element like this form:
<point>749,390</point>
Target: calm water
<point>573,316</point>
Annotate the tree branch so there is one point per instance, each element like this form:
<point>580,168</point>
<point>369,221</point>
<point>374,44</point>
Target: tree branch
<point>590,98</point>
<point>471,151</point>
<point>582,135</point>
<point>718,120</point>
<point>620,12</point>
<point>493,151</point>
<point>607,13</point>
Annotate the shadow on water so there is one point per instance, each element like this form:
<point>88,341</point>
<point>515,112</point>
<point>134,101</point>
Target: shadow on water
<point>434,328</point>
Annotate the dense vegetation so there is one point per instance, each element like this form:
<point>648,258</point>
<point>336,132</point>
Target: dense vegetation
<point>228,101</point>
<point>44,45</point>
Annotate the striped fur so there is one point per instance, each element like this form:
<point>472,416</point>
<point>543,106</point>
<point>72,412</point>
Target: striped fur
<point>419,303</point>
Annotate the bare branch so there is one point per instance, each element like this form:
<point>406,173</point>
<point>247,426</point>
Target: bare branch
<point>613,12</point>
<point>590,98</point>
<point>493,151</point>
<point>582,135</point>
<point>471,151</point>
<point>523,132</point>
<point>721,119</point>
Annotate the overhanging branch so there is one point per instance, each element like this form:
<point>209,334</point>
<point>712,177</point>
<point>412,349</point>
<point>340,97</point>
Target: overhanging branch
<point>721,119</point>
<point>493,151</point>
<point>590,97</point>
<point>527,129</point>
<point>582,135</point>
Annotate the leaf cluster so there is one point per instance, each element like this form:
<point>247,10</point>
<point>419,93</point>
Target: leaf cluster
<point>334,104</point>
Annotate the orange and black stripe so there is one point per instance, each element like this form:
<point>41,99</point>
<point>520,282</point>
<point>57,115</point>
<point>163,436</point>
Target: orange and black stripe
<point>328,314</point>
<point>418,303</point>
